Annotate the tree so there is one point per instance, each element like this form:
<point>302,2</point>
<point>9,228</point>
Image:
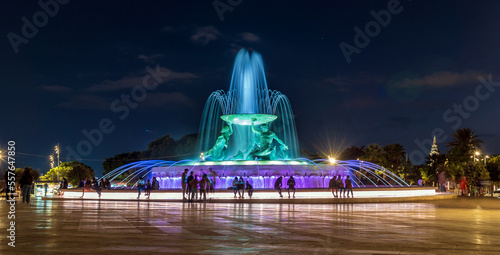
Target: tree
<point>394,154</point>
<point>427,174</point>
<point>164,147</point>
<point>464,143</point>
<point>374,154</point>
<point>73,171</point>
<point>493,167</point>
<point>352,153</point>
<point>475,172</point>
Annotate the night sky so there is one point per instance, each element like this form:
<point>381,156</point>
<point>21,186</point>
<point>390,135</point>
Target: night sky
<point>413,76</point>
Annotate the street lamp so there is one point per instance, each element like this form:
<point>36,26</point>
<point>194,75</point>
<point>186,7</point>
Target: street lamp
<point>476,154</point>
<point>56,148</point>
<point>51,161</point>
<point>485,157</point>
<point>332,160</point>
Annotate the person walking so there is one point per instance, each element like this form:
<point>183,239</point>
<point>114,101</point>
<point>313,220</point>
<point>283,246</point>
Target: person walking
<point>141,184</point>
<point>148,189</point>
<point>96,185</point>
<point>249,189</point>
<point>203,187</point>
<point>340,186</point>
<point>348,186</point>
<point>278,184</point>
<point>332,185</point>
<point>87,186</point>
<point>184,183</point>
<point>26,182</point>
<point>235,186</point>
<point>291,186</point>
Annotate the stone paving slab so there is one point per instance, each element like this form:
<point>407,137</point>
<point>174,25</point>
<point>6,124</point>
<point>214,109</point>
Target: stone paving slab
<point>452,226</point>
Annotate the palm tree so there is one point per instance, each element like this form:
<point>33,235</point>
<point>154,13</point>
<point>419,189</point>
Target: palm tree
<point>373,153</point>
<point>394,153</point>
<point>464,142</point>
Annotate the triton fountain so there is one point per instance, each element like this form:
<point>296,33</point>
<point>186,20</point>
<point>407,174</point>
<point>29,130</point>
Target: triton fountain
<point>249,131</point>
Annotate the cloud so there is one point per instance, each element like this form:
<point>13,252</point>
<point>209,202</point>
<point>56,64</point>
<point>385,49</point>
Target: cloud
<point>150,58</point>
<point>92,102</point>
<point>131,81</point>
<point>249,37</point>
<point>366,102</point>
<point>204,35</point>
<point>55,88</point>
<point>167,29</point>
<point>349,84</point>
<point>442,79</point>
<point>163,99</point>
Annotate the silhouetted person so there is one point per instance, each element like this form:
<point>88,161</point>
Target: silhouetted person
<point>189,179</point>
<point>291,186</point>
<point>278,184</point>
<point>332,185</point>
<point>235,186</point>
<point>249,189</point>
<point>211,178</point>
<point>184,183</point>
<point>141,185</point>
<point>241,188</point>
<point>340,186</point>
<point>96,185</point>
<point>26,182</point>
<point>348,186</point>
<point>149,187</point>
<point>155,184</point>
<point>193,186</point>
<point>203,187</point>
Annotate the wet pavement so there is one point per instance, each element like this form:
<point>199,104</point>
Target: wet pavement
<point>453,226</point>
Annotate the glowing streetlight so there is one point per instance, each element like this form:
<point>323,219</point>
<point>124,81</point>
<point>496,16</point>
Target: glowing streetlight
<point>56,148</point>
<point>51,161</point>
<point>332,160</point>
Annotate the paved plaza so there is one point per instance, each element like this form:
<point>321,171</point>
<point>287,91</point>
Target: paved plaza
<point>454,226</point>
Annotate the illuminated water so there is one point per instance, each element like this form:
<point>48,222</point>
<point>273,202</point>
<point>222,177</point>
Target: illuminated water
<point>248,93</point>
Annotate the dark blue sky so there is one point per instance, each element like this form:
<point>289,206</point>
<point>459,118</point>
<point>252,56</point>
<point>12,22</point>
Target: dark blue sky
<point>399,88</point>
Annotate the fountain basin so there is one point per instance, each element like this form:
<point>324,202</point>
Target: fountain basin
<point>245,119</point>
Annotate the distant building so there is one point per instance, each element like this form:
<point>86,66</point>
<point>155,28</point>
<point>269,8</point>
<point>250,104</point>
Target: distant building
<point>434,151</point>
<point>434,148</point>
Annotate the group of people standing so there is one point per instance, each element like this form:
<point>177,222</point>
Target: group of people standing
<point>147,186</point>
<point>192,187</point>
<point>339,188</point>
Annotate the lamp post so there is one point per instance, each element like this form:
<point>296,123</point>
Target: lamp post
<point>56,148</point>
<point>485,157</point>
<point>476,154</point>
